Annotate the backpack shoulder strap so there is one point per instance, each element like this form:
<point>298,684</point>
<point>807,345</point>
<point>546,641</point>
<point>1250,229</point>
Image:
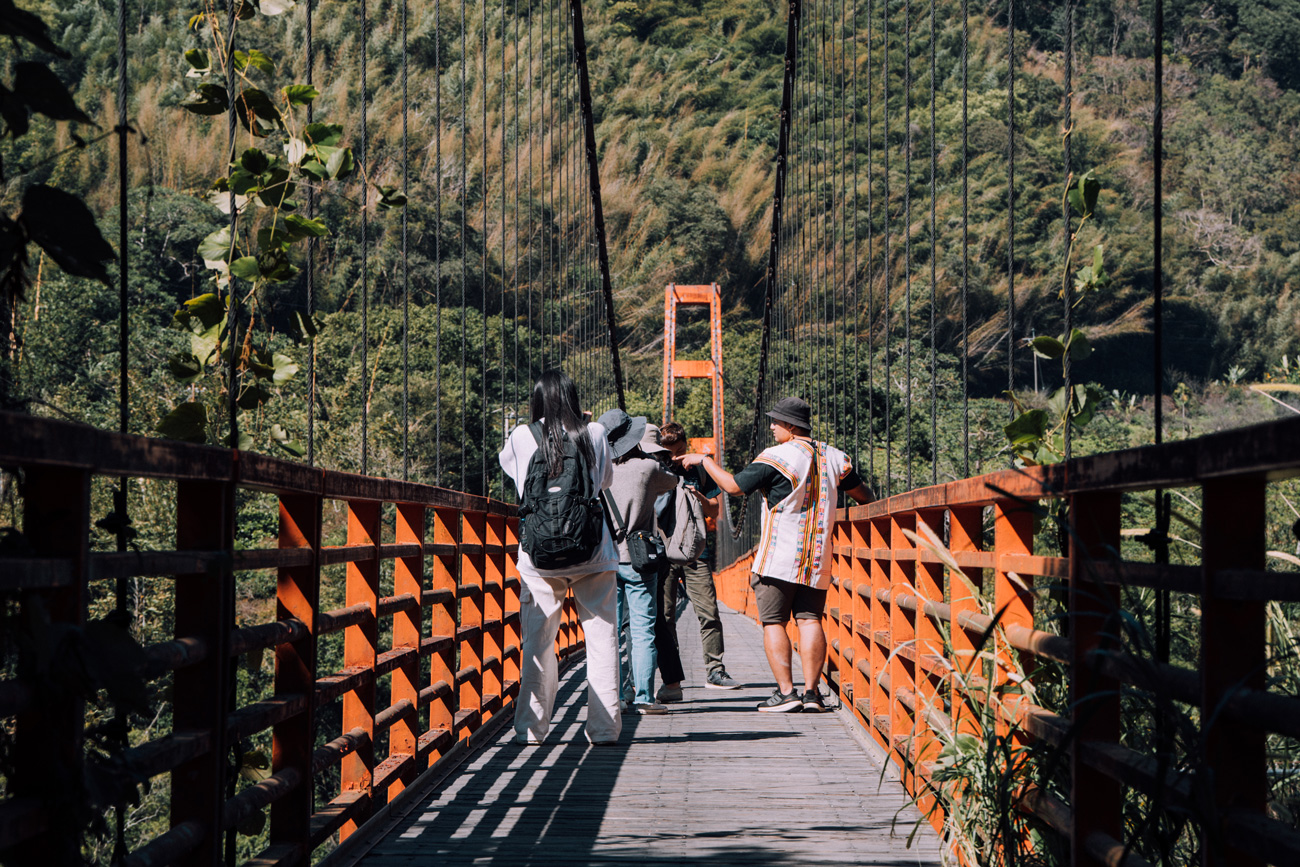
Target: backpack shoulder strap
<point>536,430</point>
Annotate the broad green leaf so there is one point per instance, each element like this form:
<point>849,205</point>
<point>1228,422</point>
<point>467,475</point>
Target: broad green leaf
<point>215,248</point>
<point>1087,400</point>
<point>62,225</point>
<point>1027,428</point>
<point>198,59</point>
<point>261,368</point>
<point>252,397</point>
<point>254,105</point>
<point>44,92</point>
<point>208,99</point>
<point>245,441</point>
<point>293,447</point>
<point>340,164</point>
<point>254,161</point>
<point>253,824</point>
<point>285,368</point>
<point>1080,348</point>
<point>327,134</point>
<point>391,197</point>
<point>242,181</point>
<point>315,168</point>
<point>185,367</point>
<point>305,326</point>
<point>1058,402</point>
<point>300,94</point>
<point>188,422</point>
<point>1075,196</point>
<point>305,227</point>
<point>255,767</point>
<point>245,268</point>
<point>255,59</point>
<point>244,10</point>
<point>1047,347</point>
<point>199,314</point>
<point>1091,189</point>
<point>276,7</point>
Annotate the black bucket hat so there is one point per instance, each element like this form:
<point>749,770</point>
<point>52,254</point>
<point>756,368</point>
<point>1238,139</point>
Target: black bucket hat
<point>792,410</point>
<point>624,431</point>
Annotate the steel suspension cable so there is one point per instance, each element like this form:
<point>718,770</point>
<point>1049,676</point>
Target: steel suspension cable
<point>464,246</point>
<point>437,244</point>
<point>1067,285</point>
<point>309,52</point>
<point>934,256</point>
<point>857,268</point>
<point>1011,199</point>
<point>483,262</point>
<point>907,231</point>
<point>406,264</point>
<point>232,316</point>
<point>887,303</point>
<point>120,506</point>
<point>965,238</point>
<point>871,238</point>
<point>365,253</point>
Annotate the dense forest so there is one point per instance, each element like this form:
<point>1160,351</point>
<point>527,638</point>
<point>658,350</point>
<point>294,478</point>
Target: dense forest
<point>686,98</point>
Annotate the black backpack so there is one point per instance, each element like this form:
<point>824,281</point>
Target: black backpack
<point>560,520</point>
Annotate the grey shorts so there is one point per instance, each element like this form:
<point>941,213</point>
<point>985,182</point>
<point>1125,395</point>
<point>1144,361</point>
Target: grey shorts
<point>777,600</point>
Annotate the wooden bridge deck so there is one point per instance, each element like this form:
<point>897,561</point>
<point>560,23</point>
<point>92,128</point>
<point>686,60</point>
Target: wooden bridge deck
<point>713,780</point>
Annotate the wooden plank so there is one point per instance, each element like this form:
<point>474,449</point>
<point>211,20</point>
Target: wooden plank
<point>711,780</point>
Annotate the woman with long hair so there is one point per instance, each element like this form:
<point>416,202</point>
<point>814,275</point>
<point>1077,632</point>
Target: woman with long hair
<point>557,418</point>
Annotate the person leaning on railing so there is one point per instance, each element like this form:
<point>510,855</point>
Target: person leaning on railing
<point>801,480</point>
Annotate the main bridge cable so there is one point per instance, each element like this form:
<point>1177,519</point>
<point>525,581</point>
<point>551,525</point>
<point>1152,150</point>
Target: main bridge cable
<point>774,247</point>
<point>598,212</point>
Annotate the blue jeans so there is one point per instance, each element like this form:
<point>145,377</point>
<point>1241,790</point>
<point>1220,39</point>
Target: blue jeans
<point>637,602</point>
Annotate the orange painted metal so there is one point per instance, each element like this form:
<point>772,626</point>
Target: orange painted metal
<point>676,297</point>
<point>360,651</point>
<point>419,718</point>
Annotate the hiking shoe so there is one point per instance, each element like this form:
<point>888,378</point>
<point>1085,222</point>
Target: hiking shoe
<point>644,708</point>
<point>779,702</point>
<point>719,679</point>
<point>668,694</point>
<point>812,702</point>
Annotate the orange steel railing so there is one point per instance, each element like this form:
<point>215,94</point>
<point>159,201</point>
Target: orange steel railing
<point>455,602</point>
<point>901,625</point>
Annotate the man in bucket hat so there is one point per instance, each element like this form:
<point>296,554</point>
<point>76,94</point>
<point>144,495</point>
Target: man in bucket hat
<point>801,479</point>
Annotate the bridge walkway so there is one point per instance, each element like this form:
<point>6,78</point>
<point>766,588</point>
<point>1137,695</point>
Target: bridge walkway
<point>713,780</point>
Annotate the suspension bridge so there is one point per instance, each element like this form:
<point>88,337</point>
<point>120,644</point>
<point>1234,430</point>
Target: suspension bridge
<point>991,691</point>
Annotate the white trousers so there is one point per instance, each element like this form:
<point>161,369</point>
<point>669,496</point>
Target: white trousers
<point>540,602</point>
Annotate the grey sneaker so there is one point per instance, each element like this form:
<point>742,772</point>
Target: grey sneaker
<point>668,694</point>
<point>812,702</point>
<point>719,679</point>
<point>781,703</point>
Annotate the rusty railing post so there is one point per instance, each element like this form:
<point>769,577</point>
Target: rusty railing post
<point>408,627</point>
<point>473,529</point>
<point>360,650</point>
<point>444,576</point>
<point>1095,798</point>
<point>1233,656</point>
<point>201,693</point>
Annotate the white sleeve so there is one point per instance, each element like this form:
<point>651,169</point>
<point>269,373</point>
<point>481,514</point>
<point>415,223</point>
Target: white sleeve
<point>604,465</point>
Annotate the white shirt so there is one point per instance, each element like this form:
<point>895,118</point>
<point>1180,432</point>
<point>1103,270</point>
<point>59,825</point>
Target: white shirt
<point>514,457</point>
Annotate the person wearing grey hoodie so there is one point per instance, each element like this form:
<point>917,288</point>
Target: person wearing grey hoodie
<point>639,478</point>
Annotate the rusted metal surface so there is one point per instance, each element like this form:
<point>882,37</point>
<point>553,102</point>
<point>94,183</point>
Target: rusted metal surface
<point>906,566</point>
<point>423,718</point>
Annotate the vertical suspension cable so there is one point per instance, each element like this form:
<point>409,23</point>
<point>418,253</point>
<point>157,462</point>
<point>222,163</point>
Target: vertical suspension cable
<point>464,247</point>
<point>532,200</point>
<point>1158,226</point>
<point>888,301</point>
<point>871,239</point>
<point>406,266</point>
<point>501,353</point>
<point>934,255</point>
<point>311,260</point>
<point>907,231</point>
<point>965,238</point>
<point>365,254</point>
<point>857,269</point>
<point>232,316</point>
<point>847,250</point>
<point>519,139</point>
<point>122,587</point>
<point>1011,200</point>
<point>437,242</point>
<point>1067,285</point>
<point>483,280</point>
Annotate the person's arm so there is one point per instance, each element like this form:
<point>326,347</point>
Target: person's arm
<point>861,493</point>
<point>725,480</point>
<point>711,506</point>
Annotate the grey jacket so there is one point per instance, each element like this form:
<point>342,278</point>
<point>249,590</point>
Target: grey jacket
<point>637,482</point>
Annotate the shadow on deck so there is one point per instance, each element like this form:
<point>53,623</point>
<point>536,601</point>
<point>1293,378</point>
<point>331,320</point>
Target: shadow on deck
<point>713,780</point>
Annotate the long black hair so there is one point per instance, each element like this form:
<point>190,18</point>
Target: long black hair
<point>555,399</point>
